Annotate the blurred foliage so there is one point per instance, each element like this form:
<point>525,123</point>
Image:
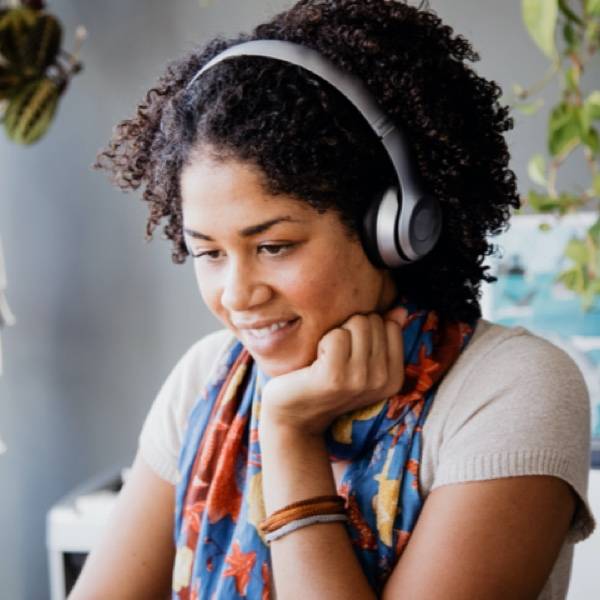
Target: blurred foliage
<point>568,33</point>
<point>34,70</point>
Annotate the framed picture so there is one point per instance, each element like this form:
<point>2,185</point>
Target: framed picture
<point>527,293</point>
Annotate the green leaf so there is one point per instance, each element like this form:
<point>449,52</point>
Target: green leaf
<point>565,9</point>
<point>592,105</point>
<point>591,32</point>
<point>545,227</point>
<point>540,18</point>
<point>530,108</point>
<point>592,7</point>
<point>583,119</point>
<point>568,278</point>
<point>536,169</point>
<point>594,231</point>
<point>592,141</point>
<point>542,203</point>
<point>572,77</point>
<point>568,203</point>
<point>564,129</point>
<point>577,251</point>
<point>569,36</point>
<point>596,188</point>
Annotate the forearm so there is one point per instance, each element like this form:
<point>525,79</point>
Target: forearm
<point>316,561</point>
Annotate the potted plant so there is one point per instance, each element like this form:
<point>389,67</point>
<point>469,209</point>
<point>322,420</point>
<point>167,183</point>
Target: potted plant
<point>568,33</point>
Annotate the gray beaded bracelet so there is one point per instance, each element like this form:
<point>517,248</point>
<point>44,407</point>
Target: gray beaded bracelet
<point>299,523</point>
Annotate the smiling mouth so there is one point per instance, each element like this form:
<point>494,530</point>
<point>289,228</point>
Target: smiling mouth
<point>264,332</point>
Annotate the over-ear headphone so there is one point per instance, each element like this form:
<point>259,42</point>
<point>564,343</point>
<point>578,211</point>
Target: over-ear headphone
<point>404,224</point>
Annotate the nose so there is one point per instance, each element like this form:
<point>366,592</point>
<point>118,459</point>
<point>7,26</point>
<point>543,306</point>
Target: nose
<point>243,288</point>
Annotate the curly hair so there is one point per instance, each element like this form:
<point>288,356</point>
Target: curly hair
<point>310,142</point>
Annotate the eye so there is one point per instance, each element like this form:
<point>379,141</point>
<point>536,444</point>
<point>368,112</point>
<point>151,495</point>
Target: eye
<point>275,249</point>
<point>207,254</point>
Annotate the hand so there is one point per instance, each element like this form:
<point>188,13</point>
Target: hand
<point>358,363</point>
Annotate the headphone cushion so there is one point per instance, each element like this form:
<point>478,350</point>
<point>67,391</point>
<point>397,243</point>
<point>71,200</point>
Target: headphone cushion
<point>369,233</point>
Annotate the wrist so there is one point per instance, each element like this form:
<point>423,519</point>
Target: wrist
<point>274,427</point>
<point>278,423</point>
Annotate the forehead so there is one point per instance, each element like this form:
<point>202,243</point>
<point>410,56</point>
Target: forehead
<point>234,190</point>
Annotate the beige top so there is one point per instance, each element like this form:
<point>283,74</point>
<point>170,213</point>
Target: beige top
<point>512,404</point>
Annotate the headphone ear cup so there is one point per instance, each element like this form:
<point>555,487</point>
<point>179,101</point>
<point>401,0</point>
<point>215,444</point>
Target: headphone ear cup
<point>381,231</point>
<point>425,225</point>
<point>383,240</point>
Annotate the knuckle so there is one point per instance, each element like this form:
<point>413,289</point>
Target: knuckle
<point>358,379</point>
<point>375,320</point>
<point>358,322</point>
<point>380,377</point>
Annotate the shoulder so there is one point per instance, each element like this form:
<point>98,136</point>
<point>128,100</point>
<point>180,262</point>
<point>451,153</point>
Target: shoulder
<point>512,404</point>
<point>511,381</point>
<point>501,359</point>
<point>194,367</point>
<point>162,432</point>
<point>193,370</point>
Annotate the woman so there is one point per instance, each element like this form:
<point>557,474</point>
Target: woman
<point>355,430</point>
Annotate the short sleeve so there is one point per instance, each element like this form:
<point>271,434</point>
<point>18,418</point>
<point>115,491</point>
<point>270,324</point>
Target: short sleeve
<point>162,432</point>
<point>523,409</point>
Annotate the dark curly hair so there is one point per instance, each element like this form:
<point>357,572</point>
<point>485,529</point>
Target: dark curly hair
<point>312,144</point>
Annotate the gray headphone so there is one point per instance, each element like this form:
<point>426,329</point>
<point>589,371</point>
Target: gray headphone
<point>404,224</point>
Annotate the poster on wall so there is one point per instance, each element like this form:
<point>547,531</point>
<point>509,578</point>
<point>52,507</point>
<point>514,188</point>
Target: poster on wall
<point>528,294</point>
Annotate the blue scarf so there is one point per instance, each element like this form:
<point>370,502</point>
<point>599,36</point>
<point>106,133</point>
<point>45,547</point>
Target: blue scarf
<point>219,502</point>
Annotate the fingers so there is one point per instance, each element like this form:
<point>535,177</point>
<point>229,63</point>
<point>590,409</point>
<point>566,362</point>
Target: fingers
<point>334,351</point>
<point>360,334</point>
<point>368,364</point>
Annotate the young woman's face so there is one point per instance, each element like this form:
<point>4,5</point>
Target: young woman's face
<point>272,269</point>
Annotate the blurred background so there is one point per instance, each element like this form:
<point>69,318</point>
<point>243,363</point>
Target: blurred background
<point>102,316</point>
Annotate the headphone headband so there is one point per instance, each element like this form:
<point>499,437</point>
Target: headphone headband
<point>403,245</point>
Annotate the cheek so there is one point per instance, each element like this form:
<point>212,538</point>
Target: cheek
<point>320,284</point>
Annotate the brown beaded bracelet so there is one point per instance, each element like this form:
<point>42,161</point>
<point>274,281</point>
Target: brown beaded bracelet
<point>319,505</point>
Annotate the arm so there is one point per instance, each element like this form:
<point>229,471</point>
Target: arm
<point>491,539</point>
<point>357,365</point>
<point>488,539</point>
<point>134,558</point>
<point>316,562</point>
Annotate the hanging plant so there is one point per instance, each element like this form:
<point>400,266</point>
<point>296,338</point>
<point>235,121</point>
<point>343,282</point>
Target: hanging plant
<point>34,70</point>
<point>568,33</point>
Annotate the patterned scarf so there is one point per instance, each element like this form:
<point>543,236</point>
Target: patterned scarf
<point>219,503</point>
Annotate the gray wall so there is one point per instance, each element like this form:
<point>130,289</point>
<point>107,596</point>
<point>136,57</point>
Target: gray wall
<point>103,316</point>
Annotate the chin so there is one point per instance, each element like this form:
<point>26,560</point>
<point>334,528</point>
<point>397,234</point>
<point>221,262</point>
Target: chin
<point>275,368</point>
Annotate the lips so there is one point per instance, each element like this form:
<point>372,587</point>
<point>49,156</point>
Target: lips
<point>264,337</point>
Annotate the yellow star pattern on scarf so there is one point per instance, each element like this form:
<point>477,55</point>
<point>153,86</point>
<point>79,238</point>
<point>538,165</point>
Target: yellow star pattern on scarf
<point>341,428</point>
<point>236,381</point>
<point>256,502</point>
<point>386,501</point>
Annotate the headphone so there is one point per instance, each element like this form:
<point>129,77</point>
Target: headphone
<point>404,224</point>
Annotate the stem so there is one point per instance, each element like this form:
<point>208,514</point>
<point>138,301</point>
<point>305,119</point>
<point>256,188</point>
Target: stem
<point>542,83</point>
<point>552,174</point>
<point>589,158</point>
<point>73,63</point>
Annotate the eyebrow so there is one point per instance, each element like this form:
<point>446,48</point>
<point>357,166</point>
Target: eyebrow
<point>247,231</point>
